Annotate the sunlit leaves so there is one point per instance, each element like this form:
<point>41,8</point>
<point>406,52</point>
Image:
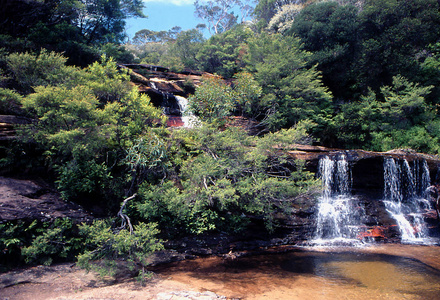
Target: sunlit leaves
<point>232,176</point>
<point>212,100</point>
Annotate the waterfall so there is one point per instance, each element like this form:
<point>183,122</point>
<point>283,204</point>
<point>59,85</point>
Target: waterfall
<point>405,197</point>
<point>339,213</point>
<point>189,120</point>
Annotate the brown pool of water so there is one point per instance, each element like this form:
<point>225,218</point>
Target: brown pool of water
<point>378,272</point>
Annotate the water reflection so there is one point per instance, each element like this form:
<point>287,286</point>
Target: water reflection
<point>372,271</point>
<point>357,274</point>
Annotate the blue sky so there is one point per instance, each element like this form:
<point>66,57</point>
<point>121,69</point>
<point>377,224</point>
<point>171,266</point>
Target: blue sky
<point>164,15</point>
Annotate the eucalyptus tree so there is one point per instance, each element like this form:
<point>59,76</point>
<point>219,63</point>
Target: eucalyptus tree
<point>220,14</point>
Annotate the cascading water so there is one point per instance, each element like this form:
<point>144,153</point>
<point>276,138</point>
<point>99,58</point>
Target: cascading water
<point>405,197</point>
<point>189,120</point>
<point>339,213</point>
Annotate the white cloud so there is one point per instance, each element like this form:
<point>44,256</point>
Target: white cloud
<point>175,2</point>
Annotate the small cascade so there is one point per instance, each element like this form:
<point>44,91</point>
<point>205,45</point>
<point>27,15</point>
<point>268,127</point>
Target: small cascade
<point>339,213</point>
<point>189,120</point>
<point>405,197</point>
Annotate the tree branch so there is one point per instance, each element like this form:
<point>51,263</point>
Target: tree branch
<point>124,217</point>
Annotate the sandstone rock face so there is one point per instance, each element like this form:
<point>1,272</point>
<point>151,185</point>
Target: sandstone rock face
<point>28,200</point>
<point>162,86</point>
<point>8,124</point>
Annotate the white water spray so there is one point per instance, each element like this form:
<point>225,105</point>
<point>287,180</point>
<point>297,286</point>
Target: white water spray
<point>339,214</point>
<point>405,198</point>
<point>189,120</point>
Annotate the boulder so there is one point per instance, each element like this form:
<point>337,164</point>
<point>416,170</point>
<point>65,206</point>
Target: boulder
<point>31,200</point>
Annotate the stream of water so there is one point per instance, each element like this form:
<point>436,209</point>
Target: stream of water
<point>405,198</point>
<point>339,216</point>
<point>189,120</point>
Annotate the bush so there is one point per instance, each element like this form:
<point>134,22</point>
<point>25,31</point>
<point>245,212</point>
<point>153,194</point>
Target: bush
<point>54,241</point>
<point>85,124</point>
<point>10,102</point>
<point>221,178</point>
<point>33,70</point>
<point>212,100</point>
<point>107,245</point>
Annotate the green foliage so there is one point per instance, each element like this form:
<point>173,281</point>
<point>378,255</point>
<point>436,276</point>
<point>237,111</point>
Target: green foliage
<point>364,45</point>
<point>69,119</point>
<point>85,123</point>
<point>215,99</point>
<point>14,235</point>
<point>106,81</point>
<point>223,54</point>
<point>212,100</point>
<point>417,138</point>
<point>56,241</point>
<point>265,10</point>
<point>118,52</point>
<point>62,38</point>
<point>10,102</point>
<point>162,47</point>
<point>69,26</point>
<point>405,104</point>
<point>152,53</point>
<point>430,73</point>
<point>291,91</point>
<point>149,36</point>
<point>402,120</point>
<point>186,47</point>
<point>225,177</point>
<point>147,157</point>
<point>11,237</point>
<point>147,152</point>
<point>80,177</point>
<point>392,35</point>
<point>247,93</point>
<point>329,31</point>
<point>34,70</point>
<point>107,245</point>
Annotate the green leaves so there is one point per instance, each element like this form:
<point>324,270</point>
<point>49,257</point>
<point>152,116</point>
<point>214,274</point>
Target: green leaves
<point>291,91</point>
<point>232,176</point>
<point>405,101</point>
<point>403,119</point>
<point>33,70</point>
<point>109,244</point>
<point>85,123</point>
<point>223,54</point>
<point>216,99</point>
<point>55,241</point>
<point>212,100</point>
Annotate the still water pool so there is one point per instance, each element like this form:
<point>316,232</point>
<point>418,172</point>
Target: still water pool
<point>380,272</point>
